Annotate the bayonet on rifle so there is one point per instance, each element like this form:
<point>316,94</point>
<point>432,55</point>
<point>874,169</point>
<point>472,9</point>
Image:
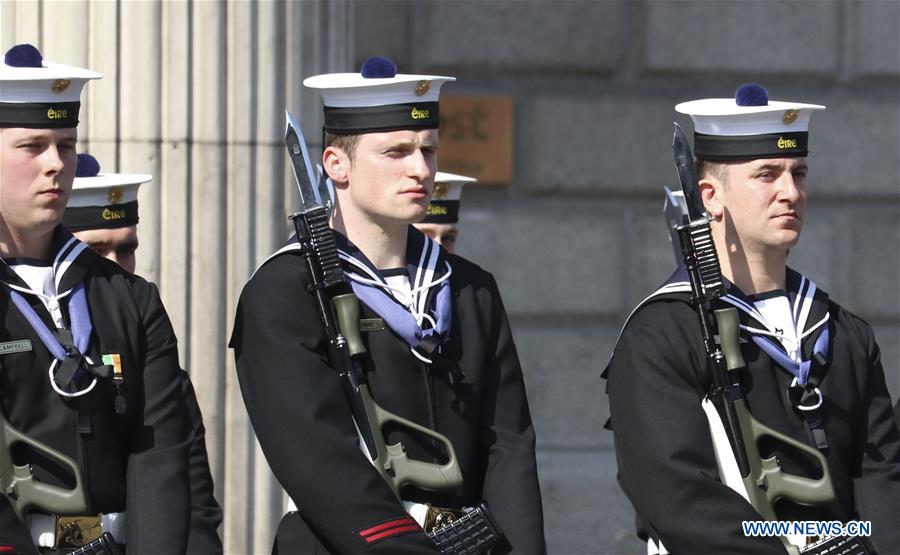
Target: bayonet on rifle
<point>697,231</point>
<point>307,182</point>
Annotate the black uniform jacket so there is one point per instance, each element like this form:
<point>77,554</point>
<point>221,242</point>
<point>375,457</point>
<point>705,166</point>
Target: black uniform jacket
<point>206,514</point>
<point>667,468</point>
<point>304,424</point>
<point>136,461</point>
<point>897,413</point>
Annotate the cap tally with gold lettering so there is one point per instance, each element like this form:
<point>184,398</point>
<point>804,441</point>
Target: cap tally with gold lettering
<point>102,201</point>
<point>378,99</point>
<point>38,94</point>
<point>749,126</point>
<point>444,207</point>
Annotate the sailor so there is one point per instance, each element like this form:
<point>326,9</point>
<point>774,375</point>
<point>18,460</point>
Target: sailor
<point>441,349</point>
<point>814,370</point>
<point>103,214</point>
<point>442,217</point>
<point>88,358</point>
<point>103,211</point>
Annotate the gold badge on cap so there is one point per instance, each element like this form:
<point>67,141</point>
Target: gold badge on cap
<point>423,87</point>
<point>115,195</point>
<point>790,116</point>
<point>60,85</point>
<point>440,191</point>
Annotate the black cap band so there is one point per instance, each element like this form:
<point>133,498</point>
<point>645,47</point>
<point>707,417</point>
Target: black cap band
<point>39,115</point>
<point>101,217</point>
<point>442,212</point>
<point>371,119</point>
<point>721,148</point>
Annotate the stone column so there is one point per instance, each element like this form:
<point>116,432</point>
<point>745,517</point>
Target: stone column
<point>194,93</point>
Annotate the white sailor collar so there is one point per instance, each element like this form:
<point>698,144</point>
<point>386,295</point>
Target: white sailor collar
<point>415,248</point>
<point>71,260</point>
<point>809,304</point>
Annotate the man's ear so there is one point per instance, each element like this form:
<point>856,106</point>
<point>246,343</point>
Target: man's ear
<point>337,164</point>
<point>711,194</point>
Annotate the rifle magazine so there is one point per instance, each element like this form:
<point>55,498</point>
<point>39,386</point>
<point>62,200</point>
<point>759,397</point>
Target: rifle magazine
<point>321,241</point>
<point>707,261</point>
<point>842,545</point>
<point>104,545</point>
<point>474,533</point>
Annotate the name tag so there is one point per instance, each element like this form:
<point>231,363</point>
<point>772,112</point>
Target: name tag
<point>741,339</point>
<point>15,347</point>
<point>371,324</point>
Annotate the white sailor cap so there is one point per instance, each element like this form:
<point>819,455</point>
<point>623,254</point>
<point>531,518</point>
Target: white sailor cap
<point>102,201</point>
<point>39,94</point>
<point>444,206</point>
<point>749,126</point>
<point>378,99</point>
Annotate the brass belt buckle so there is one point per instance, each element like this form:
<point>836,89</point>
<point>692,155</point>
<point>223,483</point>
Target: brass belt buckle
<point>438,517</point>
<point>73,532</point>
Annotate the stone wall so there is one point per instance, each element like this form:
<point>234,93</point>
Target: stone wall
<point>578,238</point>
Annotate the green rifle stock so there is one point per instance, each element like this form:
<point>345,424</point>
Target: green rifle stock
<point>767,482</point>
<point>23,491</point>
<point>391,460</point>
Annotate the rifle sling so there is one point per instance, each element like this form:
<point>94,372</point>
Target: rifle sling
<point>809,396</point>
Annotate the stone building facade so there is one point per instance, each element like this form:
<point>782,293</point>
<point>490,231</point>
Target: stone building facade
<point>194,93</point>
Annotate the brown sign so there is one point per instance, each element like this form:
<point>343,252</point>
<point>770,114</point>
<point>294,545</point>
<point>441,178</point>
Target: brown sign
<point>477,138</point>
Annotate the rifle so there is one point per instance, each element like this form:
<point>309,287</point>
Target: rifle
<point>736,437</point>
<point>104,545</point>
<point>17,482</point>
<point>338,309</point>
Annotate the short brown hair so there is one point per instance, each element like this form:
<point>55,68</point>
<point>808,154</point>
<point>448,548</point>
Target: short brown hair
<point>347,143</point>
<point>712,169</point>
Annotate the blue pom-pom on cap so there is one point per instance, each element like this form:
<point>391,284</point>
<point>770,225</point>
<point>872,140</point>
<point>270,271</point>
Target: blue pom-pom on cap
<point>23,55</point>
<point>751,94</point>
<point>378,68</point>
<point>88,166</point>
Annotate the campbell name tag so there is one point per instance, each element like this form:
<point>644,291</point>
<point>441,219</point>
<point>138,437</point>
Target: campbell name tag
<point>15,347</point>
<point>371,324</point>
